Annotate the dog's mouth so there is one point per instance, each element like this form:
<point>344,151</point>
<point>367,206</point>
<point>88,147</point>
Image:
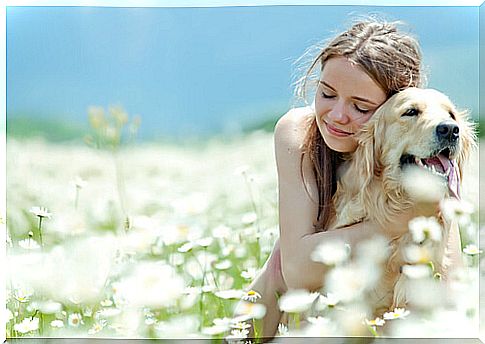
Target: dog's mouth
<point>441,164</point>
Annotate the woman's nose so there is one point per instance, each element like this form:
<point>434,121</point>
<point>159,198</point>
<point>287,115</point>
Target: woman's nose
<point>338,113</point>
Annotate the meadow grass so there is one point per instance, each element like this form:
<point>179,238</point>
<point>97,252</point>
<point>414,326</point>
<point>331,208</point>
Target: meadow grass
<point>160,241</point>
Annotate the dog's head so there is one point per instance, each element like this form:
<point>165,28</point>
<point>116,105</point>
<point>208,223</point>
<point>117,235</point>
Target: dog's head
<point>419,127</point>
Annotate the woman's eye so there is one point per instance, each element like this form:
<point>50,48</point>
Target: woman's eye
<point>361,110</point>
<point>411,112</point>
<point>328,96</point>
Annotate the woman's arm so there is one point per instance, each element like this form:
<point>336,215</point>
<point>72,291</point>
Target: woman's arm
<point>270,285</point>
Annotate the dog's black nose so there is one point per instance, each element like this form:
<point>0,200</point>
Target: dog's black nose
<point>448,131</point>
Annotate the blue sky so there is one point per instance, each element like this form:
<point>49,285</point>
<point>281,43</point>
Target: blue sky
<point>200,70</point>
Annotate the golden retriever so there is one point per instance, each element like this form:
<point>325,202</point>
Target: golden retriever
<point>415,128</point>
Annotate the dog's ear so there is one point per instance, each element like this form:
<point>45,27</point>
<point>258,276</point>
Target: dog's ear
<point>366,162</point>
<point>468,139</point>
<point>366,158</point>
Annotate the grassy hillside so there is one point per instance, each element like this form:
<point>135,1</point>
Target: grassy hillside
<point>53,130</point>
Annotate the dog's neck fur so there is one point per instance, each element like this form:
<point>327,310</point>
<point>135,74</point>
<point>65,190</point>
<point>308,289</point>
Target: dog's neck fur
<point>380,192</point>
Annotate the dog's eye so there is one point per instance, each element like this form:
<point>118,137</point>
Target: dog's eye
<point>452,115</point>
<point>411,112</point>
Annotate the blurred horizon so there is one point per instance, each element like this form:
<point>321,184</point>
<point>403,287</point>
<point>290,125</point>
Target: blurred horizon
<point>200,71</point>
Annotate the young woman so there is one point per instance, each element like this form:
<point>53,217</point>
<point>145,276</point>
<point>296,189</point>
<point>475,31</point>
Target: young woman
<point>357,71</point>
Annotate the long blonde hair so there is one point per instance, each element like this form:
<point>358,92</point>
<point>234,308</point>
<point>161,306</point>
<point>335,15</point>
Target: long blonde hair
<point>390,57</point>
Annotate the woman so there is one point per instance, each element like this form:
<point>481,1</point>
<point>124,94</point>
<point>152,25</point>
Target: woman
<point>358,70</point>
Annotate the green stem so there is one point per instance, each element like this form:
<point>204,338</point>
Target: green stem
<point>201,303</point>
<point>372,330</point>
<point>255,209</point>
<point>40,232</point>
<point>297,320</point>
<point>256,330</point>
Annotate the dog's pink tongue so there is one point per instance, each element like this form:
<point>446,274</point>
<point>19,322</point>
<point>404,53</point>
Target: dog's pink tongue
<point>454,181</point>
<point>442,164</point>
<point>439,164</point>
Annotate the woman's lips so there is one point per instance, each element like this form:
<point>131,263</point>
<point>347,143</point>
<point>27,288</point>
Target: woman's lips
<point>336,132</point>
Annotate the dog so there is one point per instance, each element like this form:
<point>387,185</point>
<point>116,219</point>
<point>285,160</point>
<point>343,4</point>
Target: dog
<point>415,128</point>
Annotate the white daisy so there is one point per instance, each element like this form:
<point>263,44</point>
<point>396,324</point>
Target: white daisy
<point>330,300</point>
<point>238,334</point>
<point>205,242</point>
<point>249,218</point>
<point>23,294</point>
<point>350,281</point>
<point>152,284</point>
<point>47,307</point>
<point>398,313</point>
<point>79,183</point>
<point>186,247</point>
<point>57,323</point>
<point>459,210</point>
<point>97,327</point>
<point>249,310</point>
<point>240,325</point>
<point>251,296</point>
<point>27,325</point>
<point>423,186</point>
<point>283,330</point>
<point>331,253</point>
<point>29,244</point>
<point>41,212</point>
<point>87,311</point>
<point>416,271</point>
<point>376,322</point>
<point>417,254</point>
<point>223,264</point>
<point>296,301</point>
<point>249,274</point>
<point>472,250</point>
<point>75,319</point>
<point>229,294</point>
<point>422,228</point>
<point>223,321</point>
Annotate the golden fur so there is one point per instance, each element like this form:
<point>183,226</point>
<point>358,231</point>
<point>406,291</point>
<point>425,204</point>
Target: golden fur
<point>371,187</point>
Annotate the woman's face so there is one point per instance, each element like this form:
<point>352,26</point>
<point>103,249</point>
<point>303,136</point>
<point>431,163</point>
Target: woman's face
<point>346,98</point>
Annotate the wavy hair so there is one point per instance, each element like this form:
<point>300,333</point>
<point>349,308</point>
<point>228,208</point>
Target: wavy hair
<point>392,58</point>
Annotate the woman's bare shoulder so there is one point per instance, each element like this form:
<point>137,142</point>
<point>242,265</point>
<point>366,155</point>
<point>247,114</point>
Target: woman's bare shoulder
<point>291,128</point>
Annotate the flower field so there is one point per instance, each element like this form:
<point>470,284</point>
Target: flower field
<point>161,240</point>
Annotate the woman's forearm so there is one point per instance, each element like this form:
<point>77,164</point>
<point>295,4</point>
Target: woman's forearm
<point>300,271</point>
